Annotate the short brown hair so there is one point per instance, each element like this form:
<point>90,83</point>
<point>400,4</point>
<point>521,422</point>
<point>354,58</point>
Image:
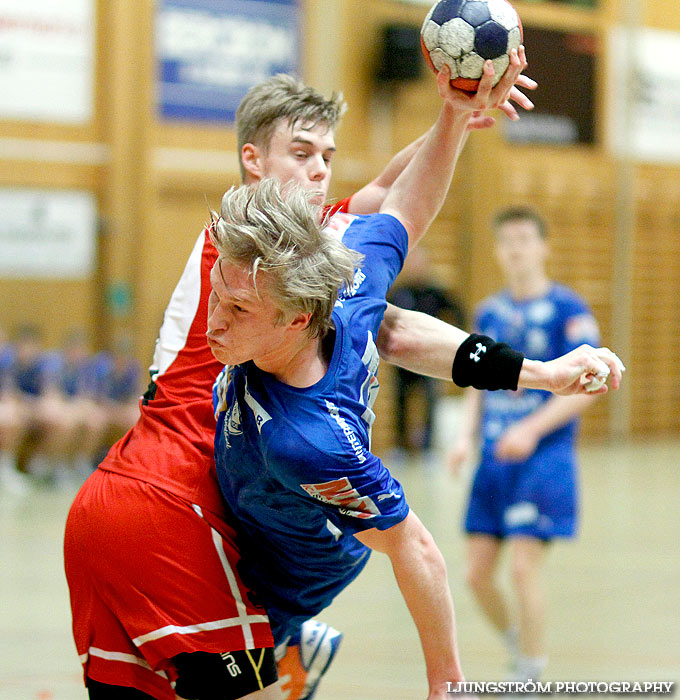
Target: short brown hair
<point>283,97</point>
<point>505,216</point>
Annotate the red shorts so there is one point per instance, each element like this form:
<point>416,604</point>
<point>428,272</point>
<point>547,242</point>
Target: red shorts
<point>151,576</point>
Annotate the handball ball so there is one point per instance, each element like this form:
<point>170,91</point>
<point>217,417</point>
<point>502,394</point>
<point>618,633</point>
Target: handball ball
<point>464,33</point>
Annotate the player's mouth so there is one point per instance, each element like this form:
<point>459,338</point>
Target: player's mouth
<point>214,344</point>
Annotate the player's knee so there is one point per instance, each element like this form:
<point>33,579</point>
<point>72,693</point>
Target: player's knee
<point>478,578</point>
<point>523,572</point>
<point>228,676</point>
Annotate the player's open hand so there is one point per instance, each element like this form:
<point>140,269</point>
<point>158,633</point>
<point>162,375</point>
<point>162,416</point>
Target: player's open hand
<point>585,370</point>
<point>479,120</point>
<point>487,96</point>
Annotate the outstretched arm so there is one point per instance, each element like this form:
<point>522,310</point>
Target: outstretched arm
<point>420,571</point>
<point>426,345</point>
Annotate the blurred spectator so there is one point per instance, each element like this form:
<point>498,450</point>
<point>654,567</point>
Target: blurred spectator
<point>13,422</point>
<point>82,377</point>
<point>122,388</point>
<point>36,380</point>
<point>417,290</point>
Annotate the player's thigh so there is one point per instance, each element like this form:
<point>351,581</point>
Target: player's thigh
<point>169,575</point>
<point>527,555</point>
<point>103,691</point>
<point>248,673</point>
<point>543,500</point>
<point>486,500</point>
<point>482,554</point>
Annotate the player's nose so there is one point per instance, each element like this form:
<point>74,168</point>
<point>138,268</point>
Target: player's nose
<point>318,168</point>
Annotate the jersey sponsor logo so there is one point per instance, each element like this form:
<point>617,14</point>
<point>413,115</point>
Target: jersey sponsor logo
<point>348,293</point>
<point>370,387</point>
<point>338,224</point>
<point>334,530</point>
<point>232,423</point>
<point>351,437</point>
<point>341,493</point>
<point>523,513</point>
<point>391,494</point>
<point>232,667</point>
<point>261,416</point>
<point>541,311</point>
<point>232,418</point>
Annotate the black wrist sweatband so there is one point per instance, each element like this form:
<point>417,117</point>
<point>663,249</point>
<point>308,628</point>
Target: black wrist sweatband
<point>483,363</point>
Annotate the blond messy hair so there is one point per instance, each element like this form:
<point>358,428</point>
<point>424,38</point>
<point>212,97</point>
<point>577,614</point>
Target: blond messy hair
<point>274,228</point>
<point>285,98</point>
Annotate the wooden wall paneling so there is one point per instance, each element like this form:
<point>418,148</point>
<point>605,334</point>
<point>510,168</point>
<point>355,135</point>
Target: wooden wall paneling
<point>654,371</point>
<point>60,156</point>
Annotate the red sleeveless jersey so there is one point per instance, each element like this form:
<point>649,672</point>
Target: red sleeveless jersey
<point>171,444</point>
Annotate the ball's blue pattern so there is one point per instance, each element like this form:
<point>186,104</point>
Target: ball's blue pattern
<point>446,10</point>
<point>475,13</point>
<point>491,40</point>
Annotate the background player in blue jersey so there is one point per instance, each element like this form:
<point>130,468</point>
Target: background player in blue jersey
<point>525,488</point>
<point>294,403</point>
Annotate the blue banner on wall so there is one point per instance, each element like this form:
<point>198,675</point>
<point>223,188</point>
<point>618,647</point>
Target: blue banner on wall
<point>210,52</point>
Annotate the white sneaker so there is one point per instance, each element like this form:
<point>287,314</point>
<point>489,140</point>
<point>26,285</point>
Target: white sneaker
<point>303,666</point>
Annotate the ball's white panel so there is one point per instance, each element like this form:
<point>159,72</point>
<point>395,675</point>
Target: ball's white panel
<point>514,39</point>
<point>430,34</point>
<point>499,65</point>
<point>471,66</point>
<point>439,58</point>
<point>503,13</point>
<point>456,37</point>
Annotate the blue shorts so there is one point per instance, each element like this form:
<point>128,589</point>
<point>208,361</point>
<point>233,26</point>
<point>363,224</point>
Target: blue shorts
<point>536,498</point>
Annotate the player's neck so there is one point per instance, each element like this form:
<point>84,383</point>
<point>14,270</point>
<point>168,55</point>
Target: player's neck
<point>529,286</point>
<point>301,364</point>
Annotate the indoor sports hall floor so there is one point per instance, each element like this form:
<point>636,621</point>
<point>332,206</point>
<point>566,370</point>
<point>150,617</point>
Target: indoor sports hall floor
<point>614,594</point>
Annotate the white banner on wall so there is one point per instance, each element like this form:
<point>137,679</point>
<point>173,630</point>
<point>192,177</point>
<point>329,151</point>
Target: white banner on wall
<point>648,127</point>
<point>47,60</point>
<point>47,234</point>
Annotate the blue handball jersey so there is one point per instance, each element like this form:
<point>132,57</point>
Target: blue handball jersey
<point>543,328</point>
<point>295,466</point>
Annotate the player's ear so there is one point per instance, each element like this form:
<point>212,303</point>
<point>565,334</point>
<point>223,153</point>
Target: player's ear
<point>251,157</point>
<point>300,321</point>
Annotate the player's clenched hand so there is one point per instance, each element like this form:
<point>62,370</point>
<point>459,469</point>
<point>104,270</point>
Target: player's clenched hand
<point>582,371</point>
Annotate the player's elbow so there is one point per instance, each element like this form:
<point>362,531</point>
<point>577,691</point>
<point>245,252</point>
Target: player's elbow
<point>393,336</point>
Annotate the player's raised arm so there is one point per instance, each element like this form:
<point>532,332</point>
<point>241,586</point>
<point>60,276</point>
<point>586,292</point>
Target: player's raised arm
<point>426,345</point>
<point>419,191</point>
